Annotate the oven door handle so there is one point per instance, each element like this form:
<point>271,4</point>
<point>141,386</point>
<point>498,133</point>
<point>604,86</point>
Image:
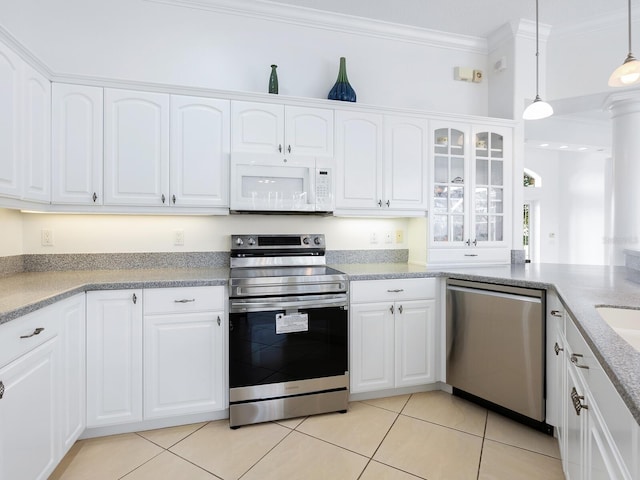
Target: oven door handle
<point>257,305</point>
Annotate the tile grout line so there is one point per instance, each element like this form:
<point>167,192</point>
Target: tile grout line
<point>484,433</point>
<point>291,430</point>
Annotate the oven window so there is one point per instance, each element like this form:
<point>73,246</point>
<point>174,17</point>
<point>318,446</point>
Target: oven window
<point>258,355</point>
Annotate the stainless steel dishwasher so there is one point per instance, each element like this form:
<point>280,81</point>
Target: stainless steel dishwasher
<point>495,347</point>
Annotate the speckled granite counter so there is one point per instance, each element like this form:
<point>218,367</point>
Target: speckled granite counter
<point>581,287</point>
<point>25,292</point>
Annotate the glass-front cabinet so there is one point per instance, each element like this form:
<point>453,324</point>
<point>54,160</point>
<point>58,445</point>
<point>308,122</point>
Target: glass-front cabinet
<point>470,194</point>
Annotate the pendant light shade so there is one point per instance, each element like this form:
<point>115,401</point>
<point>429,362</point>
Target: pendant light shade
<point>538,109</point>
<point>629,72</point>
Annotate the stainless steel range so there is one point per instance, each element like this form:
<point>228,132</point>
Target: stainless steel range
<point>288,329</point>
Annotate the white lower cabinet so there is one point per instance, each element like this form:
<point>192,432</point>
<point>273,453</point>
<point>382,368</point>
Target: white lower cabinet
<point>156,358</point>
<point>183,351</point>
<point>41,388</point>
<point>392,342</point>
<point>114,357</point>
<point>599,436</point>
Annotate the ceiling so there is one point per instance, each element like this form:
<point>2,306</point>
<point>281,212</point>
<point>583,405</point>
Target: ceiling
<point>477,18</point>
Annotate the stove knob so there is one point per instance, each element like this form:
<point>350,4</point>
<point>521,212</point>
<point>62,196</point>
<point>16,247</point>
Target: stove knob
<point>305,240</point>
<point>317,241</point>
<point>239,241</point>
<point>251,241</point>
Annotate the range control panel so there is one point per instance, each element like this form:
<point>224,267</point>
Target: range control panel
<point>266,243</point>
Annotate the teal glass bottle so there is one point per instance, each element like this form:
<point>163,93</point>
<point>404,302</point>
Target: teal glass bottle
<point>273,80</point>
<point>342,90</point>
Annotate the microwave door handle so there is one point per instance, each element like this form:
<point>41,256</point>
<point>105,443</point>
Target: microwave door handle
<point>311,201</point>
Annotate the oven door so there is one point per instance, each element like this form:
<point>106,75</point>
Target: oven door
<point>272,348</point>
<point>271,183</point>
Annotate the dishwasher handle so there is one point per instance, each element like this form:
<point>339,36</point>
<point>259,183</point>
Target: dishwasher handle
<point>522,298</point>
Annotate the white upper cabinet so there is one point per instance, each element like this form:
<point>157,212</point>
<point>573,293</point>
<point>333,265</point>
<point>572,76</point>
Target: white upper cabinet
<point>11,121</point>
<point>406,163</point>
<point>136,148</point>
<point>200,148</point>
<point>76,144</point>
<point>358,160</point>
<point>276,129</point>
<point>37,136</point>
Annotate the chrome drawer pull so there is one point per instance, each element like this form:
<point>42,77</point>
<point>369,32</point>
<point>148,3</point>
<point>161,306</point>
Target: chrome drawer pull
<point>575,358</point>
<point>397,290</point>
<point>185,300</point>
<point>37,331</point>
<point>556,313</point>
<point>470,254</point>
<point>576,400</point>
<point>1,390</point>
<point>557,349</point>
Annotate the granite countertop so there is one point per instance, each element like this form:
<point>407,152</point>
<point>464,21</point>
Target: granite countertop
<point>23,293</point>
<point>581,288</point>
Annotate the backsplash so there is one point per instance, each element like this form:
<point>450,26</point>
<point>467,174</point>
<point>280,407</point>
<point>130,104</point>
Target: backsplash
<point>122,261</point>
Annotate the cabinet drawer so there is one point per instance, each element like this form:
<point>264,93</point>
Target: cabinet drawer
<point>392,290</point>
<point>12,346</point>
<point>183,299</point>
<point>469,256</point>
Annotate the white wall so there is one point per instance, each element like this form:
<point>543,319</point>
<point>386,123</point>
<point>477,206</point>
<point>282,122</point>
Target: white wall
<point>11,233</point>
<point>571,205</point>
<point>129,233</point>
<point>152,42</point>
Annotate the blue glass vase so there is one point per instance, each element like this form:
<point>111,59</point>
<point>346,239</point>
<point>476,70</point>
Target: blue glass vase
<point>342,90</point>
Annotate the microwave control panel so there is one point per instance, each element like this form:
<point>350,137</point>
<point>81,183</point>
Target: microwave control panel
<point>324,187</point>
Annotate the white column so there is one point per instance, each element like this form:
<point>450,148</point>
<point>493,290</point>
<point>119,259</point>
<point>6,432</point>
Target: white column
<point>625,211</point>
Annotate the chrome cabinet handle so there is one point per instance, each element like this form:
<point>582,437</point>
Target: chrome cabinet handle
<point>219,321</point>
<point>388,203</point>
<point>400,308</point>
<point>575,358</point>
<point>577,401</point>
<point>1,389</point>
<point>391,309</point>
<point>468,242</point>
<point>475,242</point>
<point>380,203</point>
<point>557,349</point>
<point>397,290</point>
<point>280,147</point>
<point>556,313</point>
<point>470,254</point>
<point>185,300</point>
<point>134,298</point>
<point>37,331</point>
<point>95,197</point>
<point>163,198</point>
<point>289,149</point>
<point>173,199</point>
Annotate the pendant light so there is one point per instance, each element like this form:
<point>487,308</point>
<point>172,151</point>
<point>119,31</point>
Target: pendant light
<point>629,72</point>
<point>538,109</point>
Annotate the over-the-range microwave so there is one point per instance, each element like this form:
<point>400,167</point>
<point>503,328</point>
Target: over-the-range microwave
<point>281,184</point>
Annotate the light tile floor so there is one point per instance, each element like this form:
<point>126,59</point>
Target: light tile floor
<point>429,436</point>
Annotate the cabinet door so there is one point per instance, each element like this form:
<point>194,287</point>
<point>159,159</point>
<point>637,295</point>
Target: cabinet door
<point>406,163</point>
<point>37,136</point>
<point>309,131</point>
<point>73,369</point>
<point>576,426</point>
<point>602,456</point>
<point>199,152</point>
<point>372,346</point>
<point>77,144</point>
<point>183,364</point>
<point>449,198</point>
<point>415,342</point>
<point>491,177</point>
<point>11,121</point>
<point>136,148</point>
<point>29,414</point>
<point>257,127</point>
<point>359,160</point>
<point>114,357</point>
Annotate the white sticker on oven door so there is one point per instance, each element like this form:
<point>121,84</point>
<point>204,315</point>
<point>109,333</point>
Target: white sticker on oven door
<point>294,322</point>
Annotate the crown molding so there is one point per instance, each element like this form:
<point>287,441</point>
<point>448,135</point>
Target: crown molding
<point>523,29</point>
<point>613,19</point>
<point>350,24</point>
<point>25,54</point>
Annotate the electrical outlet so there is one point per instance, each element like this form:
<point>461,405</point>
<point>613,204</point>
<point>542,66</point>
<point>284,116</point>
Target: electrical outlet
<point>373,237</point>
<point>388,237</point>
<point>399,236</point>
<point>46,237</point>
<point>178,238</point>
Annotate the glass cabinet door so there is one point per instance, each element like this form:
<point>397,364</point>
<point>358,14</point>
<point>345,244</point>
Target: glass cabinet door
<point>488,195</point>
<point>448,207</point>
